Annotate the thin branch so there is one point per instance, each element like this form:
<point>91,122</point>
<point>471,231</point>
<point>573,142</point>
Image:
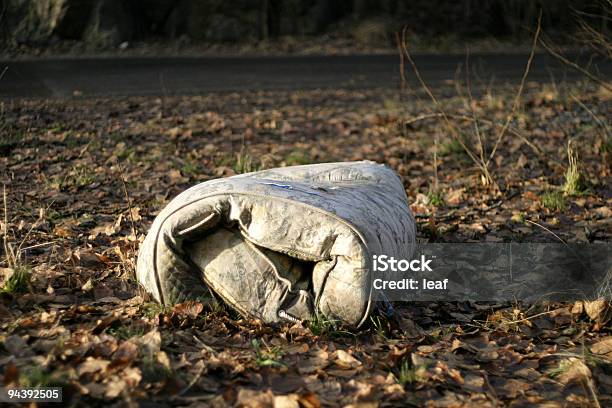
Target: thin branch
<point>402,67</point>
<point>548,230</point>
<point>468,84</point>
<point>436,103</point>
<point>519,93</point>
<point>603,125</point>
<point>129,201</point>
<point>526,319</point>
<point>7,248</point>
<point>511,130</point>
<point>575,66</point>
<point>194,380</point>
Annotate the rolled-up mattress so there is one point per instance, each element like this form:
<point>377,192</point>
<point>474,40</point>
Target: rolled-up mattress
<point>286,243</point>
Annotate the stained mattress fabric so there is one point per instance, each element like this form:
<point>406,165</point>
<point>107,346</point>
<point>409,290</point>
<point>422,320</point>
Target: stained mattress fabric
<point>286,243</point>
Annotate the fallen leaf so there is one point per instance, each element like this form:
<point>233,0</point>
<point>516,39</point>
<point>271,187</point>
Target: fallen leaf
<point>190,309</point>
<point>345,360</point>
<point>92,365</point>
<point>286,401</point>
<point>150,343</point>
<point>598,310</point>
<point>319,360</point>
<point>15,345</point>
<point>487,355</point>
<point>309,400</point>
<point>248,398</point>
<point>115,387</point>
<point>574,371</point>
<point>125,354</point>
<point>603,347</point>
<point>11,374</point>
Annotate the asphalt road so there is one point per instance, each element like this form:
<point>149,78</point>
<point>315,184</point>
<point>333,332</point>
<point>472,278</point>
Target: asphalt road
<point>185,76</point>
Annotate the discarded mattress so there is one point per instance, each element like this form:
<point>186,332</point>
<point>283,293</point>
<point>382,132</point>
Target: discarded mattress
<point>281,244</point>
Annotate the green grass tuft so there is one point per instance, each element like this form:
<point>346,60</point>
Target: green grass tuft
<point>269,357</point>
<point>451,147</point>
<point>553,200</point>
<point>153,309</point>
<point>409,374</point>
<point>153,370</point>
<point>9,139</point>
<point>297,157</point>
<point>436,198</point>
<point>324,326</point>
<point>381,326</point>
<point>37,377</point>
<point>573,178</point>
<point>244,163</point>
<point>126,332</point>
<point>18,281</point>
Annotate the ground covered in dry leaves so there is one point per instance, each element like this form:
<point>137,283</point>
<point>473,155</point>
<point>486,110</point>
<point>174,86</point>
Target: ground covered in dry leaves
<point>85,178</point>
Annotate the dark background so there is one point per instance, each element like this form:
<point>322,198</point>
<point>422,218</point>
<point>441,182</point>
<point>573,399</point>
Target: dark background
<point>101,24</point>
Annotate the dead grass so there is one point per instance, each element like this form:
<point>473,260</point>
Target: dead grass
<point>476,150</point>
<point>573,177</point>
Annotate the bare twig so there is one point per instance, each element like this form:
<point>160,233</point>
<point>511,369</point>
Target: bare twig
<point>511,130</point>
<point>10,257</point>
<point>451,129</point>
<point>548,230</point>
<point>401,65</point>
<point>519,93</point>
<point>435,163</point>
<point>526,319</point>
<point>596,40</point>
<point>129,202</point>
<point>38,245</point>
<point>575,66</point>
<point>603,125</point>
<point>195,378</point>
<point>468,84</point>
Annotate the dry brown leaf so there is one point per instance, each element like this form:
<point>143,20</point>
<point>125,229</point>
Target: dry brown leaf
<point>5,275</point>
<point>87,258</point>
<point>287,401</point>
<point>11,374</point>
<point>115,387</point>
<point>188,309</point>
<point>163,359</point>
<point>318,360</point>
<point>248,398</point>
<point>598,310</point>
<point>454,197</point>
<point>297,348</point>
<point>513,388</point>
<point>135,214</point>
<point>309,400</point>
<point>17,346</point>
<point>132,376</point>
<point>574,371</point>
<point>603,347</point>
<point>125,354</point>
<point>487,355</point>
<point>345,360</point>
<point>150,343</point>
<point>87,286</point>
<point>365,404</point>
<point>92,365</point>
